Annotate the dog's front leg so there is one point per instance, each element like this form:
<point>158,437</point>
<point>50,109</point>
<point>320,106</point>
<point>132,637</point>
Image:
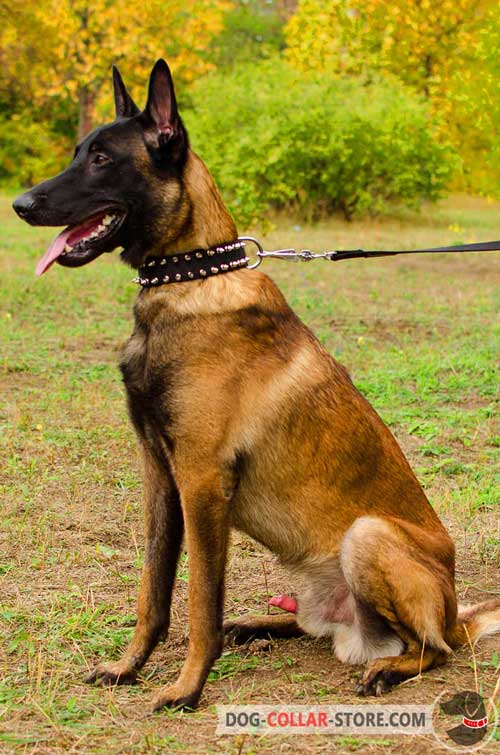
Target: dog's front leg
<point>164,531</point>
<point>205,507</point>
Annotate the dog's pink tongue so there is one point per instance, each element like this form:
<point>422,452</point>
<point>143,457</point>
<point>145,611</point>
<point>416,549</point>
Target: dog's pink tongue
<point>53,252</point>
<point>285,602</point>
<point>69,236</point>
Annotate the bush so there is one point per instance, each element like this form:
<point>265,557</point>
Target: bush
<point>274,138</point>
<point>29,152</point>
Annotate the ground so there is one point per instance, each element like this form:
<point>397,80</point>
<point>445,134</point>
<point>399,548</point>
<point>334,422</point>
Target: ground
<point>420,337</point>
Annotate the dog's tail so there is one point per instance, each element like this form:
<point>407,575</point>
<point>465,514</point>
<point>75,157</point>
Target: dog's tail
<point>474,622</point>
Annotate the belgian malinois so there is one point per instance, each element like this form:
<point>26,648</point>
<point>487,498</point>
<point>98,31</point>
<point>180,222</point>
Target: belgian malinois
<point>245,421</point>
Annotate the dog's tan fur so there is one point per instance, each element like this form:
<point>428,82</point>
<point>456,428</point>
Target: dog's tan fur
<point>246,421</point>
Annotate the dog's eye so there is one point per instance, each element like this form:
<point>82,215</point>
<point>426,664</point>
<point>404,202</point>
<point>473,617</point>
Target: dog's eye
<point>100,159</point>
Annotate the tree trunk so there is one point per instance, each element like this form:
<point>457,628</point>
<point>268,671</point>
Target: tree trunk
<point>86,100</point>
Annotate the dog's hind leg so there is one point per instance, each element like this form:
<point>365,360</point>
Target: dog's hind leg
<point>402,576</point>
<point>164,530</point>
<point>255,627</point>
<point>380,675</point>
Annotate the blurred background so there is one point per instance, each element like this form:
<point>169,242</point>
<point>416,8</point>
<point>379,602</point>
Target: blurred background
<point>297,105</point>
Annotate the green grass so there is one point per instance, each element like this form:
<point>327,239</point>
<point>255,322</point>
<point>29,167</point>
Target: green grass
<point>420,336</point>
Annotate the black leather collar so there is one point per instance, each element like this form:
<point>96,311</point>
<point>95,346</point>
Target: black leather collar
<point>195,265</point>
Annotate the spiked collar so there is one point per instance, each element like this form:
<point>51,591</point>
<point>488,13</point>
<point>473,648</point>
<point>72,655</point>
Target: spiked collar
<point>195,265</point>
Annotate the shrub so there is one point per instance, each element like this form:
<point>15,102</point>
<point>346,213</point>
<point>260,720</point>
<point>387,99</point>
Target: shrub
<point>275,138</point>
<point>29,151</point>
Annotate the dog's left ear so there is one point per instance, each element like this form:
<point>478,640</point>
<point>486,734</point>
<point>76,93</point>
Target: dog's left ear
<point>125,106</point>
<point>161,115</point>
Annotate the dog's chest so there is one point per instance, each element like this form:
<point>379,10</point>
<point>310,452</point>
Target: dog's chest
<point>149,387</point>
<point>133,364</point>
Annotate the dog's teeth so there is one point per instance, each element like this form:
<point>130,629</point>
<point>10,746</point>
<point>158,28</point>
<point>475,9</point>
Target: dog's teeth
<point>108,219</point>
<point>68,248</point>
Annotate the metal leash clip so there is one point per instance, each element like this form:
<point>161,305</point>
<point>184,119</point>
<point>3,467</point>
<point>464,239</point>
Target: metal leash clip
<point>305,255</point>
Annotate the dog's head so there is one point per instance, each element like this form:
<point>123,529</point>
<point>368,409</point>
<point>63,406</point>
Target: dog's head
<point>124,187</point>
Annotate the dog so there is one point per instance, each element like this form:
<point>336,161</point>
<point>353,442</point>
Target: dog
<point>245,421</point>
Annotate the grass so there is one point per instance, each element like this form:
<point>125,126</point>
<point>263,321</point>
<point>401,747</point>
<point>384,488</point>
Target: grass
<point>420,336</point>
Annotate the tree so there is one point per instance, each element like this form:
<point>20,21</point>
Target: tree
<point>421,41</point>
<point>66,47</point>
<point>447,50</point>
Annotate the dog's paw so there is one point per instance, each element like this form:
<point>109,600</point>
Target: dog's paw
<point>177,697</point>
<point>241,631</point>
<point>109,674</point>
<point>377,683</point>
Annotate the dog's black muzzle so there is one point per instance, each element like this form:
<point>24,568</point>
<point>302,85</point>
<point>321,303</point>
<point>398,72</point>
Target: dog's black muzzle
<point>27,206</point>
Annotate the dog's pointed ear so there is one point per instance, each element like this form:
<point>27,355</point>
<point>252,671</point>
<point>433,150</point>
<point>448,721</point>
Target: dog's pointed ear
<point>125,106</point>
<point>161,110</point>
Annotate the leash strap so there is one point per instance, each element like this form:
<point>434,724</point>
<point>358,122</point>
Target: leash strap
<point>305,255</point>
<point>483,246</point>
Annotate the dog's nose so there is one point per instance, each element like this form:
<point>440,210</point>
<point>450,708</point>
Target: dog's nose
<point>24,205</point>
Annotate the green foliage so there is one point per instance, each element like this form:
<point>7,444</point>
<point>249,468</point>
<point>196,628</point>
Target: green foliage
<point>253,29</point>
<point>29,152</point>
<point>277,138</point>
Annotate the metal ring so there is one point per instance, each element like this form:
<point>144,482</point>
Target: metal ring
<point>259,250</point>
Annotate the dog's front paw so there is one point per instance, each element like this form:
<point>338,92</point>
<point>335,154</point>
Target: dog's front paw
<point>109,674</point>
<point>176,696</point>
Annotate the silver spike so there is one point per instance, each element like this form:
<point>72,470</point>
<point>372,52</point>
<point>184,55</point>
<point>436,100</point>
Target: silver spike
<point>214,270</point>
<point>199,255</point>
<point>224,267</point>
<point>178,276</point>
<point>203,273</point>
<point>187,257</point>
<point>220,249</point>
<point>154,280</point>
<point>136,280</point>
<point>190,275</point>
<point>210,252</point>
<point>163,261</point>
<point>166,278</point>
<point>175,259</point>
<point>144,281</point>
<point>151,264</point>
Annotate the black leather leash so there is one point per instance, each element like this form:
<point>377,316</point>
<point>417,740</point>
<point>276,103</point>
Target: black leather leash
<point>305,255</point>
